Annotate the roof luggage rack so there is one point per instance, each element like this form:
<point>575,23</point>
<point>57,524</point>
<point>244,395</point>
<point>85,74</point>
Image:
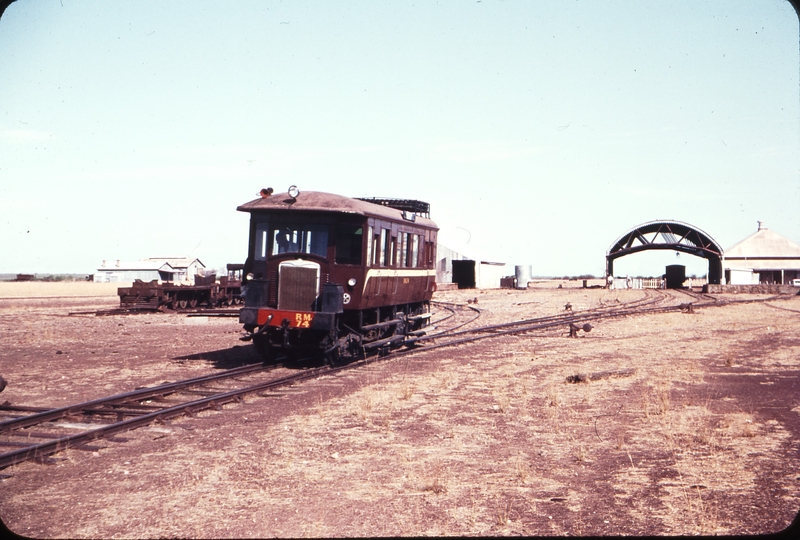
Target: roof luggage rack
<point>407,205</point>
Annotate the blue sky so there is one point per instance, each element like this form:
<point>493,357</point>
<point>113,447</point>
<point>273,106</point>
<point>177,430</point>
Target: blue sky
<point>539,131</point>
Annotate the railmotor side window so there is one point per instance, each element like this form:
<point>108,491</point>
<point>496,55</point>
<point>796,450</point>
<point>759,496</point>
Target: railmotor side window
<point>310,239</point>
<point>414,250</point>
<point>348,244</point>
<point>388,247</point>
<point>384,252</point>
<point>402,246</point>
<point>369,245</point>
<point>261,240</point>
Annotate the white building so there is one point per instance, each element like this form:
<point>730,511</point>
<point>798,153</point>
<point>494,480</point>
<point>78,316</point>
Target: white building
<point>121,271</point>
<point>741,276</point>
<point>762,257</point>
<point>185,267</point>
<point>469,270</point>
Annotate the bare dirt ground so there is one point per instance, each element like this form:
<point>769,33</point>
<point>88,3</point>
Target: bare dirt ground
<point>480,439</point>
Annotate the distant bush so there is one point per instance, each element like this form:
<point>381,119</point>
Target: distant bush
<point>61,277</point>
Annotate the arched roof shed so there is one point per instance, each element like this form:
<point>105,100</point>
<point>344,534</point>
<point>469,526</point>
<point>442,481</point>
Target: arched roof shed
<point>670,235</point>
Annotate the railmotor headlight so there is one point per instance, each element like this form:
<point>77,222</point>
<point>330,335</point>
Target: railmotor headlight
<point>351,282</point>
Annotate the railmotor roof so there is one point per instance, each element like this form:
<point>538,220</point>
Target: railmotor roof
<point>318,201</point>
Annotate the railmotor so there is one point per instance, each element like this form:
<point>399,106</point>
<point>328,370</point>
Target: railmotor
<point>336,275</point>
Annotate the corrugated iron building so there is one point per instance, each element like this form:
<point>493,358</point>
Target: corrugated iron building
<point>763,257</point>
<point>124,272</point>
<point>185,267</point>
<point>463,266</point>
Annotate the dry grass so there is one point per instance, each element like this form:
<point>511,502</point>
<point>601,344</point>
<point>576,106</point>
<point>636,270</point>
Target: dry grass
<point>483,440</point>
<point>44,289</point>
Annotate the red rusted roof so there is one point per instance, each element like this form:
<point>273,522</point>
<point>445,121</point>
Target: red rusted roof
<point>318,201</point>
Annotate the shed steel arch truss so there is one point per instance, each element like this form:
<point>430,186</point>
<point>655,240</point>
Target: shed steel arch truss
<point>670,235</point>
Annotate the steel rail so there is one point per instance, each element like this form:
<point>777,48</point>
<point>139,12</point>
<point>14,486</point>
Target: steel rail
<point>452,309</point>
<point>449,307</point>
<point>518,327</point>
<point>190,312</point>
<point>560,318</point>
<point>703,297</point>
<point>62,443</point>
<point>121,399</point>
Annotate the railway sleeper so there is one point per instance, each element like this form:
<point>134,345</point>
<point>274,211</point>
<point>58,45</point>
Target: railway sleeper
<point>206,393</point>
<point>385,324</point>
<point>118,412</point>
<point>15,444</point>
<point>391,340</point>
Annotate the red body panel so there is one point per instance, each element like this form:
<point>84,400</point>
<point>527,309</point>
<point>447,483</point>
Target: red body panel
<point>297,319</point>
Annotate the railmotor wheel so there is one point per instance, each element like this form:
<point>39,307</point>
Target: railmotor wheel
<point>261,344</point>
<point>332,358</point>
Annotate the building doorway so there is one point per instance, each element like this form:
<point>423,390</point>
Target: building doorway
<point>464,274</point>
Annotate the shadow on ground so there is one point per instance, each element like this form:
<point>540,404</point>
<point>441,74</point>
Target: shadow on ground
<point>241,355</point>
<point>238,355</point>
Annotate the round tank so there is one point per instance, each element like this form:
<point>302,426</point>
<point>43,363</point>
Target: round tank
<point>523,275</point>
<point>676,275</point>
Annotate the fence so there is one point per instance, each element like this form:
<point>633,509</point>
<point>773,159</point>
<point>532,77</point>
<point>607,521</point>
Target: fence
<point>653,283</point>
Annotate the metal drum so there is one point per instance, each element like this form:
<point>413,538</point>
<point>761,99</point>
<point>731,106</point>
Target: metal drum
<point>523,275</point>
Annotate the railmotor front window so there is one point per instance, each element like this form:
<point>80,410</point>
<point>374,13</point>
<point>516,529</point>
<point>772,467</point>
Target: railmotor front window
<point>348,244</point>
<point>310,239</point>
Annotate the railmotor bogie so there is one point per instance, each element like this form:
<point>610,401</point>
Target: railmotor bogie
<point>337,275</point>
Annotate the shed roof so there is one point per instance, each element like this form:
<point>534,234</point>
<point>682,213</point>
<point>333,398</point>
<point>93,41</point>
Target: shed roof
<point>129,266</point>
<point>764,243</point>
<point>764,249</point>
<point>177,262</point>
<point>455,241</point>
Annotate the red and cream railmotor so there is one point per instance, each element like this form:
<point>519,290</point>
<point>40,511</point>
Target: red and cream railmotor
<point>332,274</point>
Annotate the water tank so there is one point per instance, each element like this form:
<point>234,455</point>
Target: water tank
<point>523,275</point>
<point>676,275</point>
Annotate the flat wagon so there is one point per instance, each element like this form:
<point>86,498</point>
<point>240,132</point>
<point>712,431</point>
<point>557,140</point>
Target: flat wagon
<point>207,291</point>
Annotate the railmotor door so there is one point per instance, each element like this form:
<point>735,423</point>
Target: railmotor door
<point>256,292</point>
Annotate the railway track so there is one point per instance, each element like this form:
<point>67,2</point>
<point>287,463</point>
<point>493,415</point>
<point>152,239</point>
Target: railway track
<point>649,303</point>
<point>56,427</point>
<point>189,312</point>
<point>34,434</point>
